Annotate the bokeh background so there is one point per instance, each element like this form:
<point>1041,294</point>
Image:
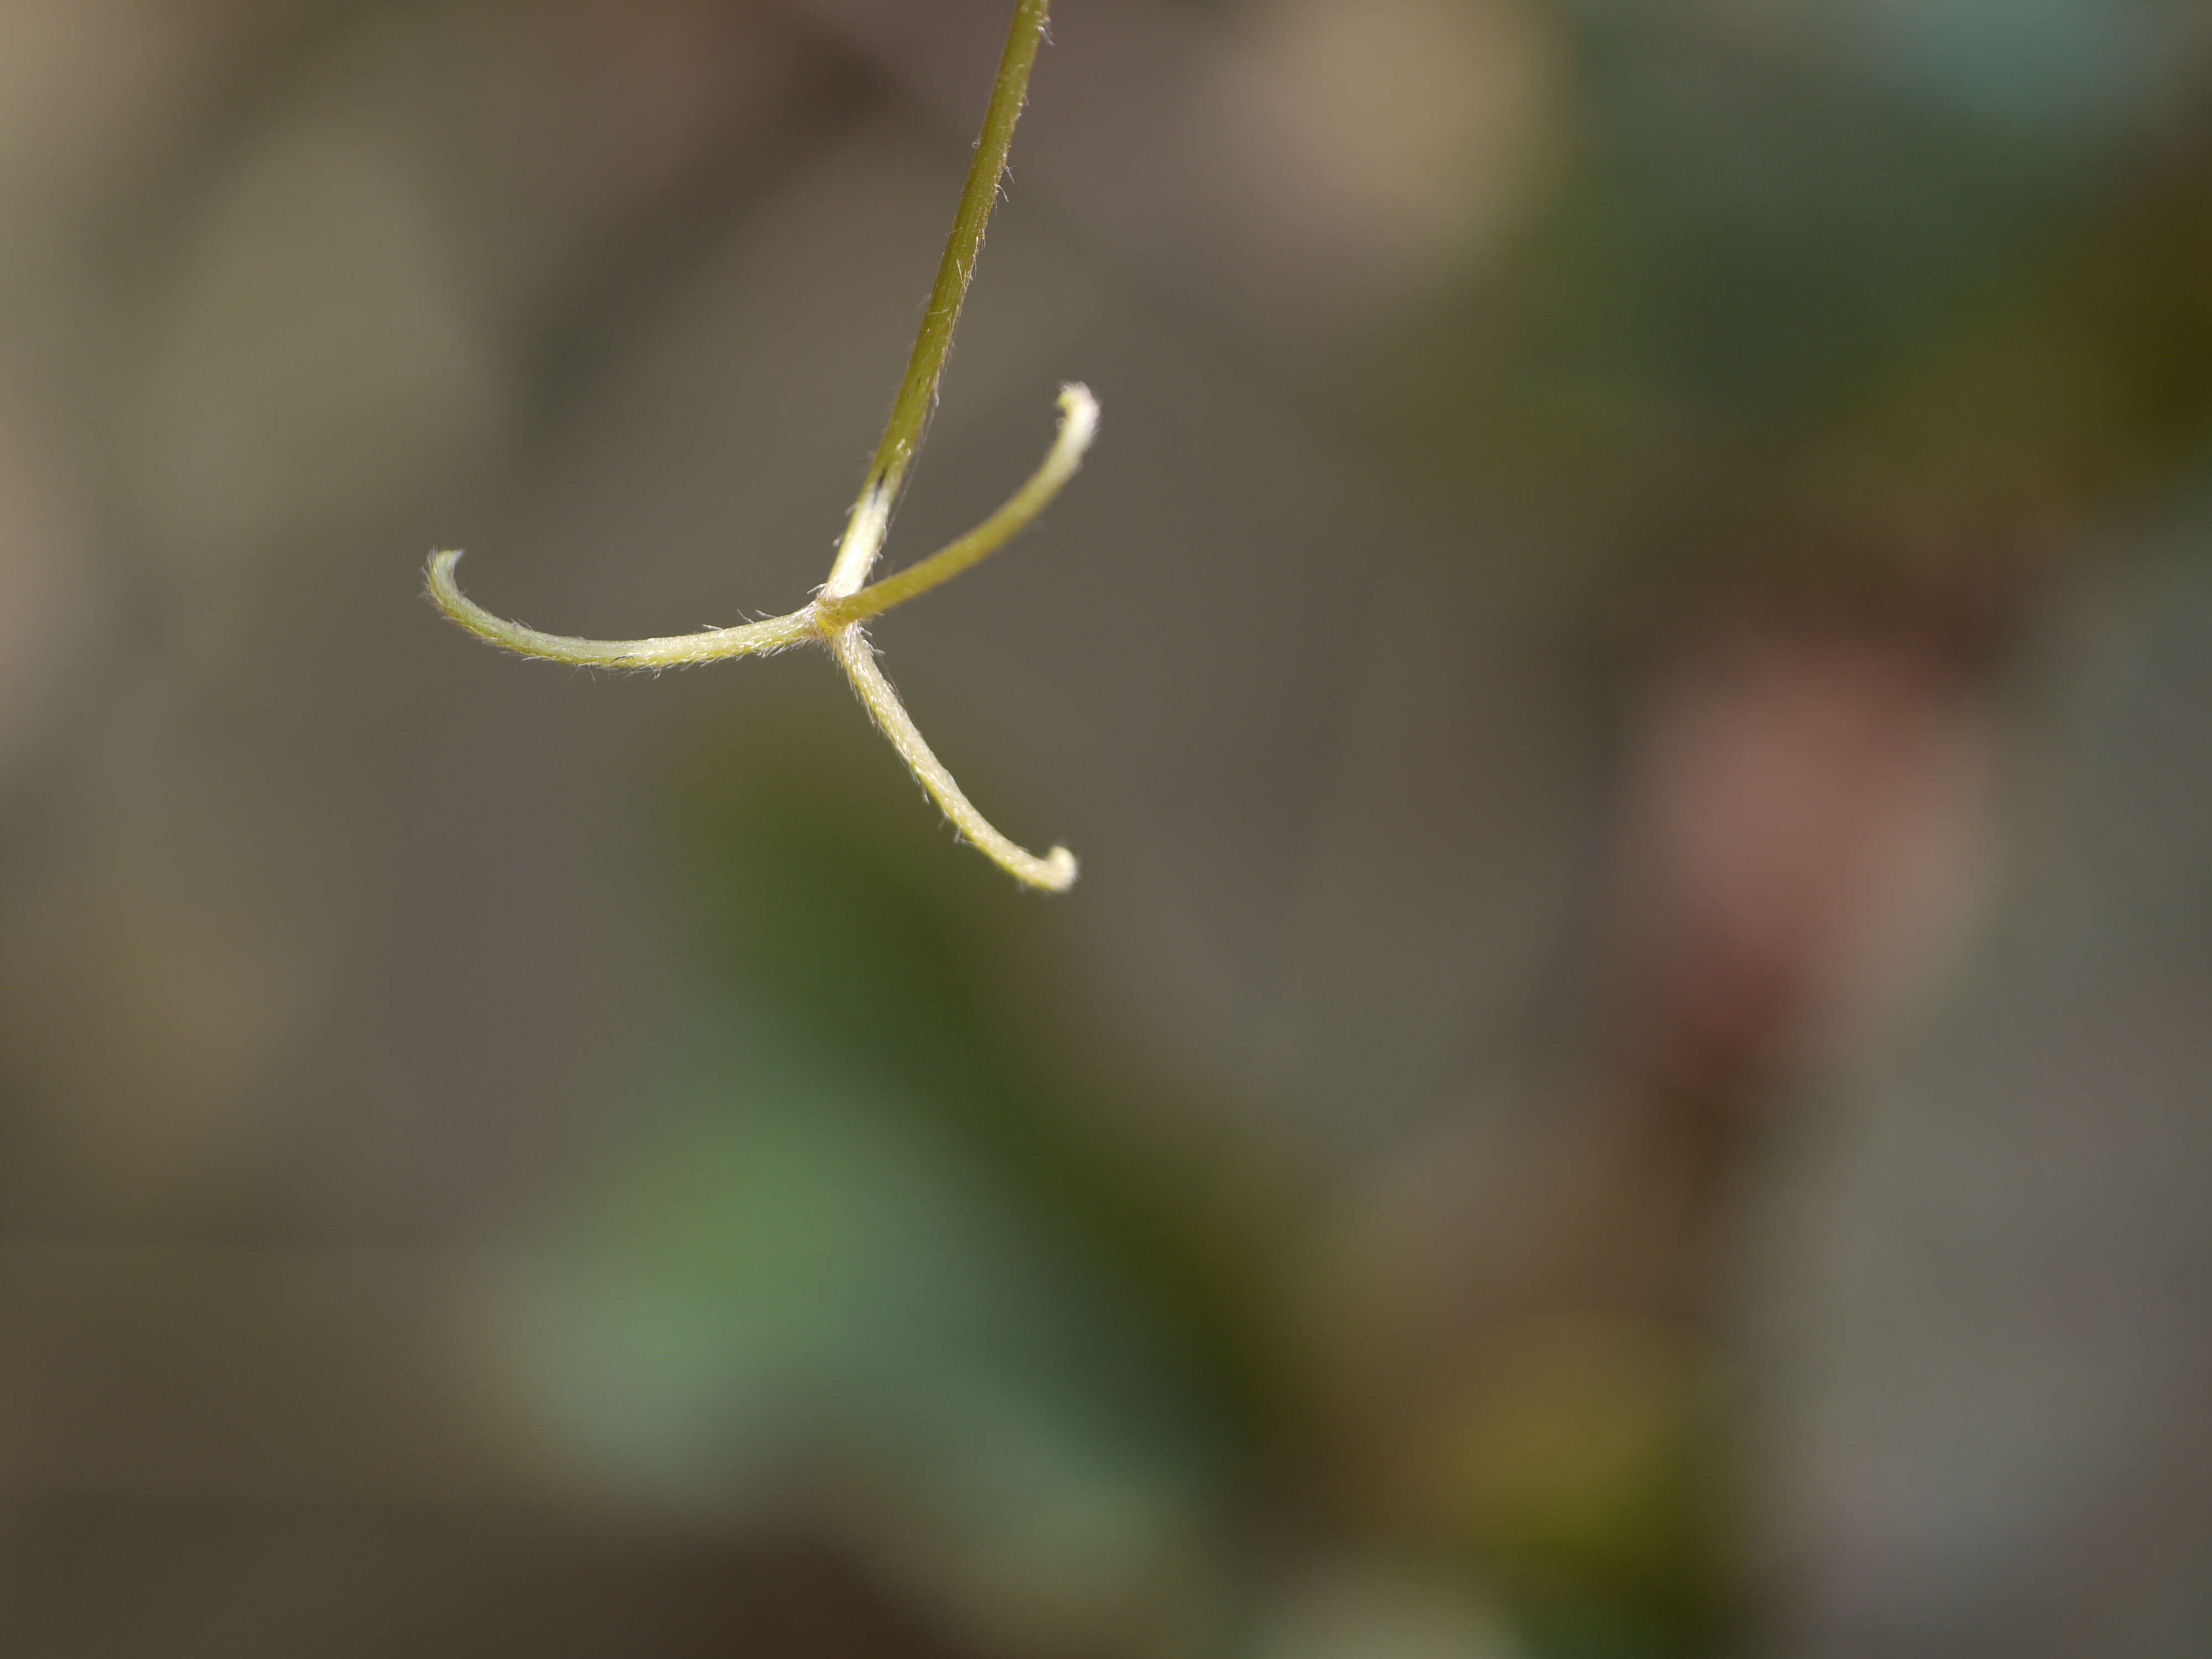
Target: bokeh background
<point>1632,673</point>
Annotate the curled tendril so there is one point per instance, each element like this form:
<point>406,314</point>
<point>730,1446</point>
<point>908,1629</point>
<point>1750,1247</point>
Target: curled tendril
<point>834,616</point>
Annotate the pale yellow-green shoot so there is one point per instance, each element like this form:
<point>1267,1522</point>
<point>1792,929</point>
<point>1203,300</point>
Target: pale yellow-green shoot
<point>834,616</point>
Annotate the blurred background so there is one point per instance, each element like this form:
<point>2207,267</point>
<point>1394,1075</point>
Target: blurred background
<point>1631,672</point>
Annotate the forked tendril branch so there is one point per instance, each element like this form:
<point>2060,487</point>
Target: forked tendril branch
<point>847,599</point>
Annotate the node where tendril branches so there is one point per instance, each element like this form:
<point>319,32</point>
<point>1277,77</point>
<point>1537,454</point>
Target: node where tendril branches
<point>847,599</point>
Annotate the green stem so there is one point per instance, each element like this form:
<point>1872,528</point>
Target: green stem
<point>1079,421</point>
<point>917,396</point>
<point>844,602</point>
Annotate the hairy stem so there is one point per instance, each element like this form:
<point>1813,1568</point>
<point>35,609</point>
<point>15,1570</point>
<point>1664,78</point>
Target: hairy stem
<point>834,615</point>
<point>1054,873</point>
<point>669,651</point>
<point>1078,423</point>
<point>917,394</point>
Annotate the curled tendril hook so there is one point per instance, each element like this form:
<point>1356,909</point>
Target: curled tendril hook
<point>846,600</point>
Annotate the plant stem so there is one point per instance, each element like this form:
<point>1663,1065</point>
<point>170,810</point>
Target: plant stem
<point>834,616</point>
<point>917,394</point>
<point>1078,423</point>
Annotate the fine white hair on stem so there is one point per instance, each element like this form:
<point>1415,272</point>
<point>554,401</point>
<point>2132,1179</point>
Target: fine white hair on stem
<point>847,599</point>
<point>1079,424</point>
<point>1054,873</point>
<point>670,651</point>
